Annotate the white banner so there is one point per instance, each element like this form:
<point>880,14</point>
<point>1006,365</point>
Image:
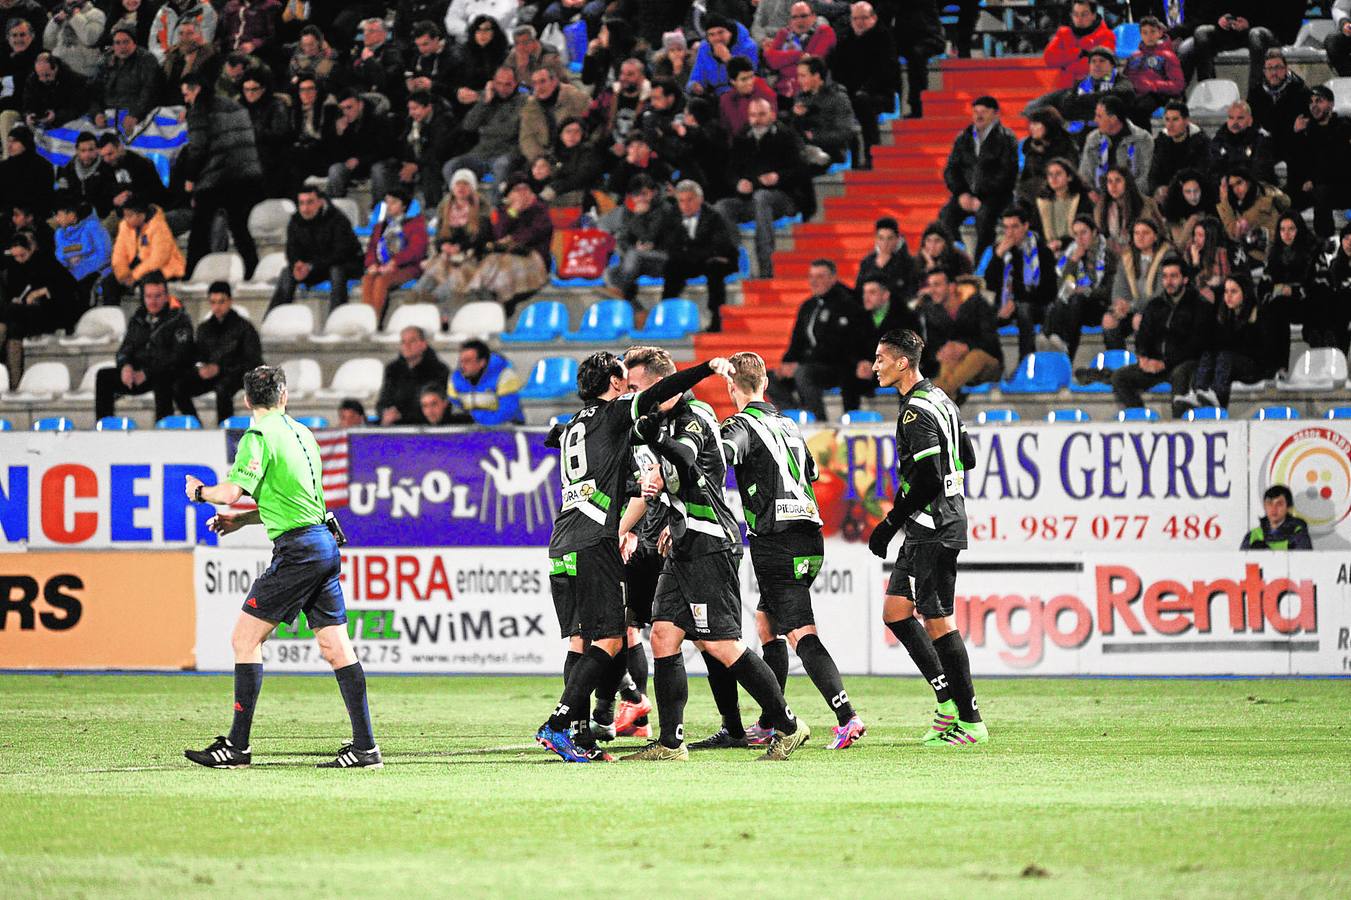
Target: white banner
<point>480,611</point>
<point>1313,459</point>
<point>1258,613</point>
<point>92,490</point>
<point>1068,487</point>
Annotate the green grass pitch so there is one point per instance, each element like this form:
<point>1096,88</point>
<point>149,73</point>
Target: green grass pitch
<point>1089,788</point>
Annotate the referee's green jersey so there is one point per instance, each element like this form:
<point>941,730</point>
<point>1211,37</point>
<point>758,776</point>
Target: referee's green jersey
<point>278,464</point>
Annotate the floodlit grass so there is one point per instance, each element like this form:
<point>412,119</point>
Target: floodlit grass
<point>1104,788</point>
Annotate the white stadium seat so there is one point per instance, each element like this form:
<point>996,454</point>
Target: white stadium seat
<point>85,392</point>
<point>42,381</point>
<point>216,267</point>
<point>289,322</point>
<point>477,320</point>
<point>100,325</point>
<point>303,377</point>
<point>1320,369</point>
<point>349,322</point>
<point>269,269</point>
<point>1214,95</point>
<point>426,316</point>
<point>268,220</point>
<point>360,378</point>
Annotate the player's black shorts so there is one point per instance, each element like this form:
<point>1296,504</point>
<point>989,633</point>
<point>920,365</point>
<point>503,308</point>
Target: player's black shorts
<point>588,591</point>
<point>303,576</point>
<point>934,568</point>
<point>701,596</point>
<point>640,583</point>
<point>785,567</point>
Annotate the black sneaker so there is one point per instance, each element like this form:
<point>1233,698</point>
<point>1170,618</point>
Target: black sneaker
<point>351,758</point>
<point>721,740</point>
<point>221,755</point>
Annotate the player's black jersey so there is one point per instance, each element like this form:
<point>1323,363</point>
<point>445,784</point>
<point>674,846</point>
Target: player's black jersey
<point>701,520</point>
<point>929,431</point>
<point>654,520</point>
<point>774,470</point>
<point>594,455</point>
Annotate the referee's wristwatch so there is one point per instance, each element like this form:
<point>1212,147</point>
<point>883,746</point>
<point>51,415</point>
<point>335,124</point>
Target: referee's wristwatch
<point>197,494</point>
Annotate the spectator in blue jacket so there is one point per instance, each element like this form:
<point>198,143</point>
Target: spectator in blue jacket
<point>724,39</point>
<point>486,386</point>
<point>82,243</point>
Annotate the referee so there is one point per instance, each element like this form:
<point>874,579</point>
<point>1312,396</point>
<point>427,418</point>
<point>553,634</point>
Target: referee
<point>278,464</point>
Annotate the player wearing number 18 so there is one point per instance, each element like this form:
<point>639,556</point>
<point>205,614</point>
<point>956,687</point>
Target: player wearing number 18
<point>278,464</point>
<point>933,453</point>
<point>586,571</point>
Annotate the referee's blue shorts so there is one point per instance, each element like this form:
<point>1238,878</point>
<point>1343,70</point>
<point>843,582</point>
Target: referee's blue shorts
<point>303,576</point>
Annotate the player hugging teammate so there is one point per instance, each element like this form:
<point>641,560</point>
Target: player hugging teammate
<point>637,414</point>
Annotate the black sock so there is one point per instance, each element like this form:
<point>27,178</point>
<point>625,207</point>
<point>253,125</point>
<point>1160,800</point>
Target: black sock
<point>248,682</point>
<point>723,685</point>
<point>775,653</point>
<point>752,673</point>
<point>921,649</point>
<point>952,653</point>
<point>673,692</point>
<point>638,667</point>
<point>573,658</point>
<point>573,705</point>
<point>823,672</point>
<point>614,672</point>
<point>352,684</point>
<point>628,691</point>
<point>638,671</point>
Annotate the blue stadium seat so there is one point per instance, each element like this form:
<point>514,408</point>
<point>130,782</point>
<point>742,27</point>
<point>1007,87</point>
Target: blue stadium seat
<point>1163,387</point>
<point>6,425</point>
<point>552,378</point>
<point>1127,39</point>
<point>672,320</point>
<point>237,423</point>
<point>54,423</point>
<point>1277,414</point>
<point>1337,412</point>
<point>541,321</point>
<point>862,417</point>
<point>975,389</point>
<point>1043,372</point>
<point>1137,414</point>
<point>605,320</point>
<point>1068,414</point>
<point>1206,414</point>
<point>115,423</point>
<point>997,416</point>
<point>313,422</point>
<point>783,222</point>
<point>1106,361</point>
<point>179,423</point>
<point>800,416</point>
<point>560,419</point>
<point>987,256</point>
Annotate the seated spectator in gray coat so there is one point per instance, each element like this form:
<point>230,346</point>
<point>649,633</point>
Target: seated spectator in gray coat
<point>496,120</point>
<point>821,113</point>
<point>642,231</point>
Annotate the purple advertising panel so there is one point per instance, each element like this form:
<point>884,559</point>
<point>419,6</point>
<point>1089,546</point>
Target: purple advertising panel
<point>468,489</point>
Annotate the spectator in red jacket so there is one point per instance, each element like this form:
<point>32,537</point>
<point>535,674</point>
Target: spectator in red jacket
<point>806,35</point>
<point>1068,49</point>
<point>395,252</point>
<point>1155,71</point>
<point>746,86</point>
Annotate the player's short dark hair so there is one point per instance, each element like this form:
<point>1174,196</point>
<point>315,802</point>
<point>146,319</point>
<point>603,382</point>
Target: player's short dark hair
<point>749,373</point>
<point>263,386</point>
<point>737,65</point>
<point>657,361</point>
<point>1279,490</point>
<point>595,372</point>
<point>815,64</point>
<point>824,263</point>
<point>1114,106</point>
<point>1178,106</point>
<point>480,349</point>
<point>220,287</point>
<point>905,342</point>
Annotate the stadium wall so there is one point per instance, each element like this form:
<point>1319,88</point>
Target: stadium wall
<point>1096,549</point>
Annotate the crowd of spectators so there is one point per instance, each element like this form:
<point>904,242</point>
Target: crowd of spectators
<point>668,123</point>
